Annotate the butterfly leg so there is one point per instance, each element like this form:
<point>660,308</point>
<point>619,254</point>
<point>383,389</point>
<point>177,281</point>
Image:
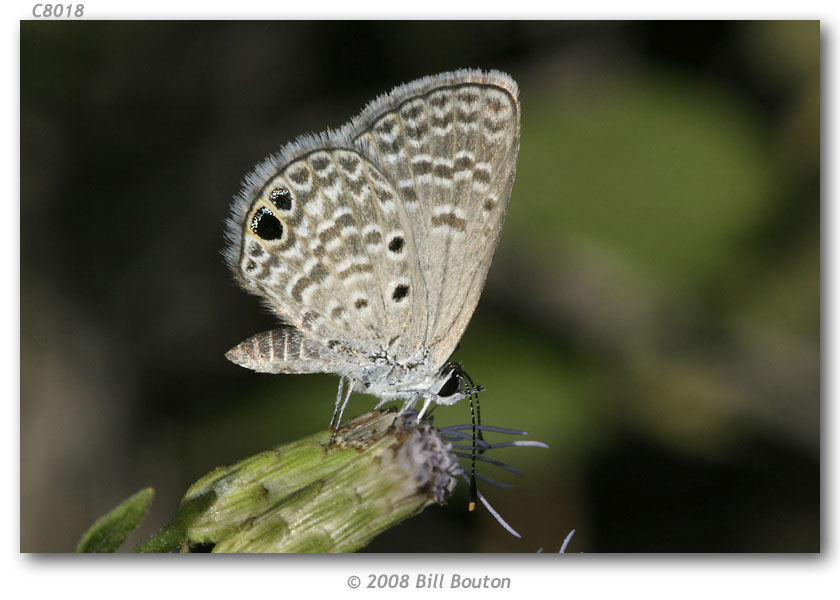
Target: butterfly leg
<point>337,403</point>
<point>423,410</point>
<point>344,402</point>
<point>409,403</point>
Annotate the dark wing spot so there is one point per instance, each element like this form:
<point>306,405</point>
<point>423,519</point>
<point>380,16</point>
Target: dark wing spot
<point>408,194</point>
<point>497,105</point>
<point>465,116</point>
<point>396,244</point>
<point>330,233</point>
<point>384,194</point>
<point>421,166</point>
<point>494,126</point>
<point>301,176</point>
<point>266,225</point>
<point>385,126</point>
<point>320,162</point>
<point>464,163</point>
<point>281,198</point>
<point>439,100</point>
<point>373,237</point>
<point>345,220</point>
<point>482,174</point>
<point>328,179</point>
<point>468,96</point>
<point>300,286</point>
<point>309,319</point>
<point>355,268</point>
<point>361,303</point>
<point>449,219</point>
<point>415,133</point>
<point>442,170</point>
<point>400,292</point>
<point>349,163</point>
<point>392,147</point>
<point>338,346</point>
<point>412,111</point>
<point>356,185</point>
<point>318,272</point>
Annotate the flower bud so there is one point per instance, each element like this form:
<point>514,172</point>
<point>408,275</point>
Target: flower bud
<point>308,496</point>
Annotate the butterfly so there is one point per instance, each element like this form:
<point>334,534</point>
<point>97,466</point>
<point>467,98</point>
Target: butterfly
<point>372,242</point>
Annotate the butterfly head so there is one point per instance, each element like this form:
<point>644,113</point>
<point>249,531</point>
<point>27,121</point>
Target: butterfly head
<point>453,384</point>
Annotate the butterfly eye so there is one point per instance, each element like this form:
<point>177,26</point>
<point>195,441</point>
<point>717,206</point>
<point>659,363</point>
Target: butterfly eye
<point>281,198</point>
<point>452,385</point>
<point>266,225</point>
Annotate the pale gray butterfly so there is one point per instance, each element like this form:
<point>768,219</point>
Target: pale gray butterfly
<point>372,242</point>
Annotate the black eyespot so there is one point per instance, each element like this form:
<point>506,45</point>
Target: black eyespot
<point>400,292</point>
<point>266,225</point>
<point>452,385</point>
<point>396,245</point>
<point>281,198</point>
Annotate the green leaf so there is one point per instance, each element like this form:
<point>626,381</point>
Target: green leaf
<point>110,531</point>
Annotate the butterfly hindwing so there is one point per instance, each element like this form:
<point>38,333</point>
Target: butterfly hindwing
<point>315,246</point>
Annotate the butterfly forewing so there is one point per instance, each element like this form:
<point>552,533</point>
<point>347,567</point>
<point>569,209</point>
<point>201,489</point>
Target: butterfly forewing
<point>451,149</point>
<point>482,195</point>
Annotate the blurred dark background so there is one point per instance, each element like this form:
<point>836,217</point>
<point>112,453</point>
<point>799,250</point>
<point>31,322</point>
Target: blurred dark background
<point>653,312</point>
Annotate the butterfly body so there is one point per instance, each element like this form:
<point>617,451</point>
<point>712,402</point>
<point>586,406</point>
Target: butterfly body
<point>381,376</point>
<point>372,242</point>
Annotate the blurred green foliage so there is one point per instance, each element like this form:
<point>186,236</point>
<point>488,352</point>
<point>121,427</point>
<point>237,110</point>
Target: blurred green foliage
<point>653,312</point>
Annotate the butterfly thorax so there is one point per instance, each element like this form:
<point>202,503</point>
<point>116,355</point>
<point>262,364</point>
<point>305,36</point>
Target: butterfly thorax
<point>389,379</point>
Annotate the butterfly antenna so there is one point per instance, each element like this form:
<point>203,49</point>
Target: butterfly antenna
<point>474,389</point>
<point>473,486</point>
<point>478,418</point>
<point>475,415</point>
